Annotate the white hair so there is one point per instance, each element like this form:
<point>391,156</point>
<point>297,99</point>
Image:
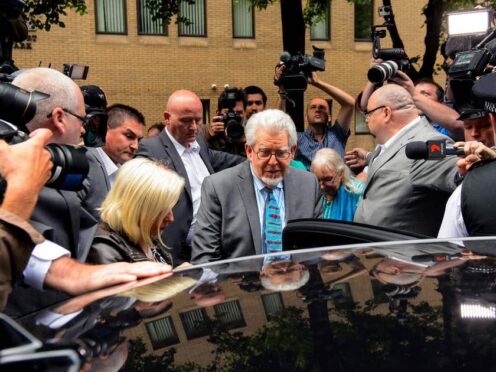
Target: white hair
<point>272,120</point>
<point>61,88</point>
<point>287,286</point>
<point>328,159</point>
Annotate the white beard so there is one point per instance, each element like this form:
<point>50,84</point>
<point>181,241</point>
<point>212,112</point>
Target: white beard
<point>271,182</point>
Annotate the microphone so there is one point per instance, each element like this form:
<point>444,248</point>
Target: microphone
<point>431,150</point>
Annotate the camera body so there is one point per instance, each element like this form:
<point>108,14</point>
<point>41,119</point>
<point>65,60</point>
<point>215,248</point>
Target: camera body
<point>298,68</point>
<point>394,58</point>
<point>233,122</point>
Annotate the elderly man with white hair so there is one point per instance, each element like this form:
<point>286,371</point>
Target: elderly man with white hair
<point>244,209</point>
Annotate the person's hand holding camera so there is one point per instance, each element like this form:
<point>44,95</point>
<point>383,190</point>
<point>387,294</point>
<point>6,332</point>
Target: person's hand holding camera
<point>26,167</point>
<point>216,127</point>
<point>404,81</point>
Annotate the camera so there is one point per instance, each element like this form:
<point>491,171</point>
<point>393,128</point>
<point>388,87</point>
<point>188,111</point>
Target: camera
<point>233,122</point>
<point>298,68</point>
<point>395,58</point>
<point>18,107</point>
<point>386,70</point>
<point>469,65</point>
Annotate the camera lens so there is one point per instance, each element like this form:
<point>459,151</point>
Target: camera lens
<point>70,167</point>
<point>18,106</point>
<point>382,72</point>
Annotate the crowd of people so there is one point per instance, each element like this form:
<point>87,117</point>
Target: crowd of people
<point>192,192</point>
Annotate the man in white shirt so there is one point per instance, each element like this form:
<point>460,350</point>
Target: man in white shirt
<point>125,128</point>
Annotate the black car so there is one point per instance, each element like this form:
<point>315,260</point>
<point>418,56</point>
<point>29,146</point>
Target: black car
<point>409,305</point>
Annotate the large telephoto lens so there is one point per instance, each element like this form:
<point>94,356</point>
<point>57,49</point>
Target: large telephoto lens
<point>70,167</point>
<point>18,106</point>
<point>382,71</point>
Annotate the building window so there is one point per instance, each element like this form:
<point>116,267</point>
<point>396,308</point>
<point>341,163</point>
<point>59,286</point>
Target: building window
<point>272,304</point>
<point>243,19</point>
<point>364,18</point>
<point>322,29</point>
<point>230,315</point>
<point>194,323</point>
<point>146,25</point>
<point>343,299</point>
<point>111,17</point>
<point>196,24</point>
<point>162,332</point>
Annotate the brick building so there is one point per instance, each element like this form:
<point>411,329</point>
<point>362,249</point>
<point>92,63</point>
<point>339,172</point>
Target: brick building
<point>139,62</point>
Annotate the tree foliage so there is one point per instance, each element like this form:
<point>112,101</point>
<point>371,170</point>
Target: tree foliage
<point>42,14</point>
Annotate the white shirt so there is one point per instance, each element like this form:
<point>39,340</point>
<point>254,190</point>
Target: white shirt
<point>110,167</point>
<point>196,170</point>
<point>261,195</point>
<point>40,261</point>
<point>453,225</point>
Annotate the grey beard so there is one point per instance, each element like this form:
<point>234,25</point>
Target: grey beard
<point>271,182</point>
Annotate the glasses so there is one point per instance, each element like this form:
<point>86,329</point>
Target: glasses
<point>369,112</point>
<point>265,154</point>
<point>83,119</point>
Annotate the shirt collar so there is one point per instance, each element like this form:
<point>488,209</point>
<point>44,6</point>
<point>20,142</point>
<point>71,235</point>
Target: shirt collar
<point>258,182</point>
<point>108,163</point>
<point>398,134</point>
<point>194,147</point>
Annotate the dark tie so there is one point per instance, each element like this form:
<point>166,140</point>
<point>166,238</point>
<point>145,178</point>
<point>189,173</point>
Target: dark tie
<point>272,224</point>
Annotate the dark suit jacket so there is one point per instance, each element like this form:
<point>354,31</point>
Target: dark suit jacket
<point>96,185</point>
<point>161,148</point>
<point>406,194</point>
<point>228,222</point>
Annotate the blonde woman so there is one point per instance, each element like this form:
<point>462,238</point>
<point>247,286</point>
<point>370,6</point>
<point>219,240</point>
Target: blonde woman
<point>340,189</point>
<point>135,211</point>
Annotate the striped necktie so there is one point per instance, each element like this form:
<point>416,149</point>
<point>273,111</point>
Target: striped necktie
<point>272,224</point>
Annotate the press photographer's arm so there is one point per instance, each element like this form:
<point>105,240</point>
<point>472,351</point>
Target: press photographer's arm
<point>25,167</point>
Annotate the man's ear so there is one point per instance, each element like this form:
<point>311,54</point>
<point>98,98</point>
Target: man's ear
<point>249,151</point>
<point>293,151</point>
<point>167,116</point>
<point>57,121</point>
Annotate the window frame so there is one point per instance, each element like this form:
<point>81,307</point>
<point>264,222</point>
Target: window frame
<point>369,39</point>
<point>205,27</point>
<point>252,22</point>
<point>166,343</point>
<point>329,34</point>
<point>125,32</point>
<point>138,22</point>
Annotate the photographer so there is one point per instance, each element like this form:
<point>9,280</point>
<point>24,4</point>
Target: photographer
<point>321,133</point>
<point>26,167</point>
<point>225,132</point>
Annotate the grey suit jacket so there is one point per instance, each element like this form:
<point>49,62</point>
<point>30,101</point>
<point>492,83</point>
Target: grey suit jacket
<point>161,148</point>
<point>96,185</point>
<point>228,222</point>
<point>406,194</point>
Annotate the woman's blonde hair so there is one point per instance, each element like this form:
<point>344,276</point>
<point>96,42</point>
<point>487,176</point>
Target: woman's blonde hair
<point>328,159</point>
<point>144,192</point>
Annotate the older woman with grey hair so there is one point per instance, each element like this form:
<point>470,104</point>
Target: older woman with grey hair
<point>342,191</point>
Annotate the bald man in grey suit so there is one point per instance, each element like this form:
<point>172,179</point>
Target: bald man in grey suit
<point>402,193</point>
<point>230,218</point>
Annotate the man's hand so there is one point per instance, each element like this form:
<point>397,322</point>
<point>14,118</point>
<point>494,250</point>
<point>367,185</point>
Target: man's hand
<point>216,126</point>
<point>72,277</point>
<point>474,151</point>
<point>26,167</point>
<point>356,158</point>
<point>403,80</point>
